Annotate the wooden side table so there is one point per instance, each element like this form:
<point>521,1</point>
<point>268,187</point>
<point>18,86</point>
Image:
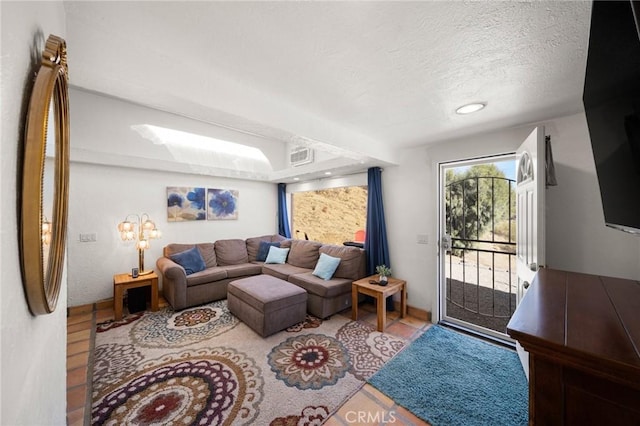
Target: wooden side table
<point>122,282</point>
<point>380,293</point>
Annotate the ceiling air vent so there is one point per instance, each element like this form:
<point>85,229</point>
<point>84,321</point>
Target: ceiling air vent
<point>300,155</point>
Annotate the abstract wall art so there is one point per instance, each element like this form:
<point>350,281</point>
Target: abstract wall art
<point>186,204</point>
<point>222,204</point>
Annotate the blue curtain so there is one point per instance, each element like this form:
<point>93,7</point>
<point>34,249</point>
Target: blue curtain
<point>375,243</point>
<point>283,219</point>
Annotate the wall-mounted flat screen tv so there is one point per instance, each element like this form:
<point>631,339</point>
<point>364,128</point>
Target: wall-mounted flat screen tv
<point>612,106</point>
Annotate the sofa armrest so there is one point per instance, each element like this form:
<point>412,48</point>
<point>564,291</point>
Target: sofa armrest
<point>174,282</point>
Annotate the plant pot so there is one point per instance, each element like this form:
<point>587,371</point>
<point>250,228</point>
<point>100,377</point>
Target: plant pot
<point>383,280</point>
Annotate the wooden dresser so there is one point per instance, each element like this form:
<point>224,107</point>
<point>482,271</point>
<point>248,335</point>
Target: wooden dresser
<point>582,333</point>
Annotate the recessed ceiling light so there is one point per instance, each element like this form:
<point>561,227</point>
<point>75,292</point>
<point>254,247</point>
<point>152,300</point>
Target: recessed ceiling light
<point>327,173</point>
<point>296,178</point>
<point>469,108</point>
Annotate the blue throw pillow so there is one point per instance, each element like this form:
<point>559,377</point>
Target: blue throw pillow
<point>277,255</point>
<point>263,250</point>
<point>326,266</point>
<point>191,260</point>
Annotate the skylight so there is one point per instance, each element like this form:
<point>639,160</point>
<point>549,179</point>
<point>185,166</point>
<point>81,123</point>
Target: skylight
<point>197,149</point>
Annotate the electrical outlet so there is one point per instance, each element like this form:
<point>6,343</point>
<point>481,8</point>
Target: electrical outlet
<point>422,239</point>
<point>88,238</point>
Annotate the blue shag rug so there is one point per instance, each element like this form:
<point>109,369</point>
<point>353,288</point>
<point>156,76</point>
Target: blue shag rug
<point>448,378</point>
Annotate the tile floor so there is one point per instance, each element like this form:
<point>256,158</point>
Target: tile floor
<point>366,407</point>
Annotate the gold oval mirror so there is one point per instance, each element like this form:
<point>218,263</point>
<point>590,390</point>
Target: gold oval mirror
<point>45,181</point>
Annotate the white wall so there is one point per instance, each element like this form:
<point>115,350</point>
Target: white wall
<point>102,195</point>
<point>577,238</point>
<point>33,349</point>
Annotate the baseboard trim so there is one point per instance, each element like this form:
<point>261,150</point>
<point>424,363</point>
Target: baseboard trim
<point>421,314</point>
<point>90,307</point>
<point>418,313</point>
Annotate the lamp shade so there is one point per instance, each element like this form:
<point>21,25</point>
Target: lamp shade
<point>125,226</point>
<point>46,231</point>
<point>127,235</point>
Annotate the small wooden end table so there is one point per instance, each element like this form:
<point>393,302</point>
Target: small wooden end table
<point>122,282</point>
<point>380,293</point>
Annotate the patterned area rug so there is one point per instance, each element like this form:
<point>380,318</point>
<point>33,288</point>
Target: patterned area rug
<point>202,366</point>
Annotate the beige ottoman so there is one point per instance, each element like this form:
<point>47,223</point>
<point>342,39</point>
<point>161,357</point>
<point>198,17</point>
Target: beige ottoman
<point>267,304</point>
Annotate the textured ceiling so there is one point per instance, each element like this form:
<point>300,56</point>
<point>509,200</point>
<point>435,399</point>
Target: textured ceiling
<point>369,77</point>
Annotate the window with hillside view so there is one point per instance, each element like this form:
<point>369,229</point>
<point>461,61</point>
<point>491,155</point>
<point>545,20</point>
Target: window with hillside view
<point>331,216</point>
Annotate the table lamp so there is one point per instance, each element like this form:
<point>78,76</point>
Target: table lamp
<point>140,231</point>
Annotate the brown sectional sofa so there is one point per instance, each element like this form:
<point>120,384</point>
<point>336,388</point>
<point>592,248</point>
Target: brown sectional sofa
<point>232,259</point>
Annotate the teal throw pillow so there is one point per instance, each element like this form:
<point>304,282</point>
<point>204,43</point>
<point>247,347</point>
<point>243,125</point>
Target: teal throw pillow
<point>191,260</point>
<point>326,266</point>
<point>277,255</point>
<point>263,250</point>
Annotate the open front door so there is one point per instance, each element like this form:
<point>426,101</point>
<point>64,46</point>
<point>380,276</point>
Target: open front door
<point>530,208</point>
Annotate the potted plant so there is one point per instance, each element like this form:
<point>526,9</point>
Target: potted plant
<point>383,271</point>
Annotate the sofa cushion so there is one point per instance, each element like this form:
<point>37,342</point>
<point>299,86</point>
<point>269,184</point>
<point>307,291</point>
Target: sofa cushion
<point>207,276</point>
<point>285,243</point>
<point>263,250</point>
<point>318,286</point>
<point>282,271</point>
<point>326,266</point>
<point>277,255</point>
<point>253,244</point>
<point>206,251</point>
<point>191,260</point>
<point>304,253</point>
<point>231,252</point>
<point>352,261</point>
<point>243,270</point>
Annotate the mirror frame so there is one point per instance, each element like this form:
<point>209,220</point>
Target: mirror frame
<point>50,89</point>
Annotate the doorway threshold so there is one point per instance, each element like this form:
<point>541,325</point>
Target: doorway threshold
<point>507,342</point>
